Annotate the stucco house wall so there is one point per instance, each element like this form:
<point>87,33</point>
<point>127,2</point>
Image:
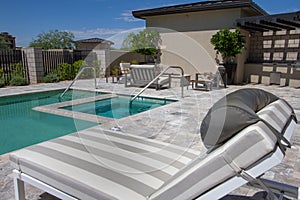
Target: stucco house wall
<point>200,27</point>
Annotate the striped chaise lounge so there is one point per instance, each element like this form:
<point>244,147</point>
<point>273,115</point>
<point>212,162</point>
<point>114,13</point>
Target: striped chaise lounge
<point>141,75</point>
<point>252,132</point>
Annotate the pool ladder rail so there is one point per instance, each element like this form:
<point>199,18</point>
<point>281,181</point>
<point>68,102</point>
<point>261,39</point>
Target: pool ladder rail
<point>157,77</point>
<point>77,76</point>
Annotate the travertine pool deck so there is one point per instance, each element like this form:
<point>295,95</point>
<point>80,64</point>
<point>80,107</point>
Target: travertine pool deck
<point>178,123</point>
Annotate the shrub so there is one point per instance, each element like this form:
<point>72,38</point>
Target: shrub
<point>77,65</point>
<point>1,73</point>
<point>134,62</point>
<point>116,70</point>
<point>18,81</point>
<point>65,71</point>
<point>17,69</point>
<point>2,82</point>
<point>52,77</point>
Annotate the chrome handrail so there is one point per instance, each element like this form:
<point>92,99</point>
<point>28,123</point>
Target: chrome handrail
<point>159,75</point>
<point>79,73</point>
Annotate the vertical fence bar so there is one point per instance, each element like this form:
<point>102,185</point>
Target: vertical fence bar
<point>25,65</point>
<point>9,58</point>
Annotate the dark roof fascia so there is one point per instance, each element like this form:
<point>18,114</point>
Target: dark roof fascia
<point>284,21</point>
<point>289,16</point>
<point>94,40</point>
<point>200,6</point>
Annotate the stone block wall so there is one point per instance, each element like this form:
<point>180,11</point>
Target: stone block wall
<point>34,59</point>
<point>274,46</point>
<point>289,75</point>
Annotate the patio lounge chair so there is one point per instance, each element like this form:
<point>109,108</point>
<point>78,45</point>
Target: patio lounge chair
<point>94,164</point>
<point>141,75</point>
<point>125,70</point>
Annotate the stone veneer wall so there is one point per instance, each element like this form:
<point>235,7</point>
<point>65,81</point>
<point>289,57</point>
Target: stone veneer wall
<point>34,59</point>
<point>274,54</point>
<point>274,46</point>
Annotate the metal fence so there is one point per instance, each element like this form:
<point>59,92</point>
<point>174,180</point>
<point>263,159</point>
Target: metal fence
<point>9,61</point>
<point>12,61</point>
<point>53,58</point>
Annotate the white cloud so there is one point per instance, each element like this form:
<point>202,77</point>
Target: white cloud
<point>287,10</point>
<point>95,33</point>
<point>127,17</point>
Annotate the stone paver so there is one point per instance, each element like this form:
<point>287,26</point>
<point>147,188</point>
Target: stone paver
<point>177,123</point>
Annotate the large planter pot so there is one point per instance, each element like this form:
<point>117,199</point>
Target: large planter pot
<point>230,71</point>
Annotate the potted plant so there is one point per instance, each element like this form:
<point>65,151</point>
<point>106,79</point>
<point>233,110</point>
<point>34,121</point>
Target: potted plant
<point>228,44</point>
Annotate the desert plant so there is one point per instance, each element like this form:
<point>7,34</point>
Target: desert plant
<point>52,77</point>
<point>97,66</point>
<point>17,75</point>
<point>17,69</point>
<point>18,81</point>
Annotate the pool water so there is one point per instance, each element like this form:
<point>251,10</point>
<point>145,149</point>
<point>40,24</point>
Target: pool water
<point>20,126</point>
<point>118,107</point>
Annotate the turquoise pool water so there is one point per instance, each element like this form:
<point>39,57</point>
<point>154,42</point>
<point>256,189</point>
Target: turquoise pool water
<point>20,126</point>
<point>118,107</point>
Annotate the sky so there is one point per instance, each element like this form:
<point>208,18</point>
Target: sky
<point>25,19</point>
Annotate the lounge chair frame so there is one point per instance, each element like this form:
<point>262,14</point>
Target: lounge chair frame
<point>21,178</point>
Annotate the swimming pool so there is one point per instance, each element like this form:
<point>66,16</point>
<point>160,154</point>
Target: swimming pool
<point>118,107</point>
<point>21,126</point>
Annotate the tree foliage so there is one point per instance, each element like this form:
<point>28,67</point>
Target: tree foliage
<point>4,45</point>
<point>54,39</point>
<point>145,42</point>
<point>228,43</point>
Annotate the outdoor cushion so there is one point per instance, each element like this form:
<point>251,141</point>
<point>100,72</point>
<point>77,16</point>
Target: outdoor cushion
<point>217,167</point>
<point>100,164</point>
<point>141,75</point>
<point>96,164</point>
<point>233,113</point>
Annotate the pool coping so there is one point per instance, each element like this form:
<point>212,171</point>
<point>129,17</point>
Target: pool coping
<point>56,109</point>
<point>31,91</point>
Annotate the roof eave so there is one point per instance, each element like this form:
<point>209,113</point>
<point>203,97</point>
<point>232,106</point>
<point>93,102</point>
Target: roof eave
<point>143,14</point>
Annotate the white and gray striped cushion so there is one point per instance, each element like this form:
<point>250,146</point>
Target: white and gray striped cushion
<point>276,114</point>
<point>99,165</point>
<point>142,74</point>
<point>244,149</point>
